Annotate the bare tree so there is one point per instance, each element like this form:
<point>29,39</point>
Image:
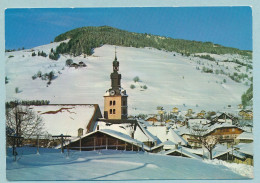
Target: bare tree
<point>199,132</point>
<point>23,121</point>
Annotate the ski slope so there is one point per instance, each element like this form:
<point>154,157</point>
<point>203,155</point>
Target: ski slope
<point>172,80</point>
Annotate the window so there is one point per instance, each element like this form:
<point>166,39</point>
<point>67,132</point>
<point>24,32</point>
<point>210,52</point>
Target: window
<point>124,103</point>
<point>114,111</point>
<point>110,102</point>
<point>110,111</point>
<point>114,102</point>
<point>124,111</point>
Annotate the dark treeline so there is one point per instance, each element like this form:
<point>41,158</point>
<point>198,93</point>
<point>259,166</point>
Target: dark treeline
<point>26,102</point>
<point>247,97</point>
<point>84,40</point>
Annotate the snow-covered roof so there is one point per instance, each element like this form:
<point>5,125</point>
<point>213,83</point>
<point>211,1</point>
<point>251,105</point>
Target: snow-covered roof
<point>182,150</point>
<point>198,121</point>
<point>115,134</point>
<point>218,125</point>
<point>141,131</point>
<point>140,134</point>
<point>246,148</point>
<point>245,136</point>
<point>65,119</point>
<point>166,145</point>
<point>165,133</point>
<point>183,130</point>
<point>219,150</point>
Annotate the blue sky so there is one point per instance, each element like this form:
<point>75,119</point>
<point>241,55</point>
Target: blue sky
<point>228,26</point>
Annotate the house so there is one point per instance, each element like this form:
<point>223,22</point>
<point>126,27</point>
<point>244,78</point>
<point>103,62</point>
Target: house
<point>201,115</point>
<point>175,110</point>
<point>245,137</point>
<point>82,64</point>
<point>246,149</point>
<point>137,131</point>
<point>240,106</point>
<point>105,139</point>
<point>225,132</point>
<point>246,114</point>
<point>181,151</point>
<point>166,133</point>
<point>240,154</point>
<point>152,119</point>
<point>74,65</point>
<point>224,118</point>
<point>68,118</point>
<point>165,146</point>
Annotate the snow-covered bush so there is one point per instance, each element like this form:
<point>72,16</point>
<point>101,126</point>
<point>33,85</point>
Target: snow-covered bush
<point>6,80</point>
<point>136,79</point>
<point>69,62</point>
<point>17,90</point>
<point>132,86</point>
<point>34,77</point>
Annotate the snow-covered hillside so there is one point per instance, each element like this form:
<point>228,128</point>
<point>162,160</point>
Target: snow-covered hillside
<point>171,79</point>
<point>113,165</point>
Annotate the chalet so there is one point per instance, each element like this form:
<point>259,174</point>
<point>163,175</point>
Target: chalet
<point>165,146</point>
<point>244,137</point>
<point>138,132</point>
<point>181,151</point>
<point>165,133</point>
<point>175,110</point>
<point>75,65</point>
<point>234,154</point>
<point>152,119</point>
<point>190,111</point>
<point>246,149</point>
<point>82,64</point>
<point>224,118</point>
<point>226,133</point>
<point>105,139</point>
<point>240,106</point>
<point>201,115</point>
<point>246,114</point>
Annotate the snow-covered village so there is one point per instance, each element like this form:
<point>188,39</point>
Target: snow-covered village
<point>128,110</point>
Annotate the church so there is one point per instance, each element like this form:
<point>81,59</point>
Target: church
<point>115,99</point>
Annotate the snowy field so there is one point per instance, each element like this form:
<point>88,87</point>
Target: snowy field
<point>172,81</point>
<point>112,165</point>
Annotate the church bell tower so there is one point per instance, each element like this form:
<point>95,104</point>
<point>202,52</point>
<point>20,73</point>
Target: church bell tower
<point>115,99</point>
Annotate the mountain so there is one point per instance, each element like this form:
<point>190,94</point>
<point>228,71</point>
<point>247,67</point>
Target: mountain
<point>85,39</point>
<point>171,79</point>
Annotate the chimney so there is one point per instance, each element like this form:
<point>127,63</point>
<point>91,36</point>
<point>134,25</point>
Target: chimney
<point>80,132</point>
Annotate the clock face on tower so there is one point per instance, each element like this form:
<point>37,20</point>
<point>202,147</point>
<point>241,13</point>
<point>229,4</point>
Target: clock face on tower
<point>112,92</point>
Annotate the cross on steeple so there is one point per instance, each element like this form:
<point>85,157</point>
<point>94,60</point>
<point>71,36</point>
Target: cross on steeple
<point>115,54</point>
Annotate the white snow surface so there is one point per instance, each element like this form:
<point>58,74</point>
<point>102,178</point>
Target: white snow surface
<point>171,80</point>
<point>242,169</point>
<point>112,165</point>
<point>65,119</point>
